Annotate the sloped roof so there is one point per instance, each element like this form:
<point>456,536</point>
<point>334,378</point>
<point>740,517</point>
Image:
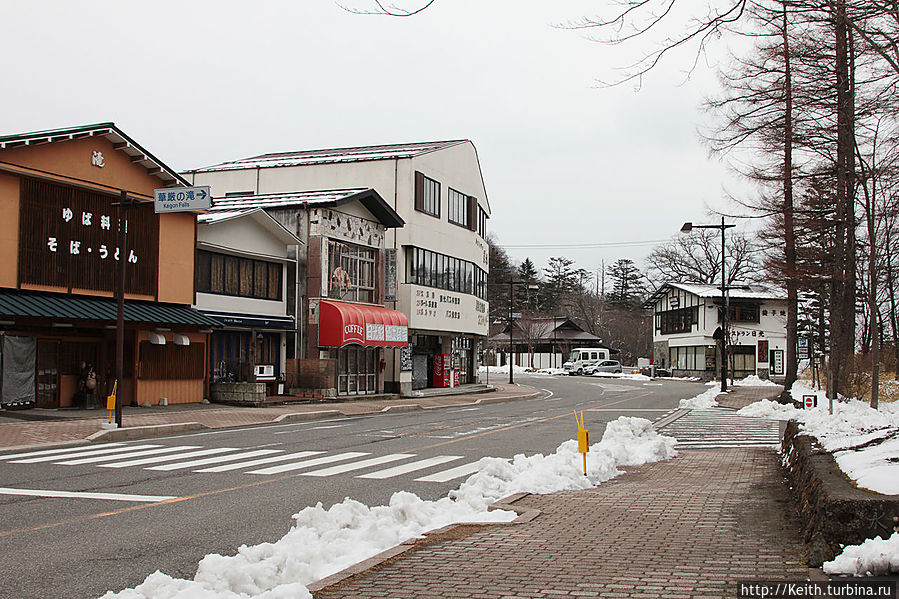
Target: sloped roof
<point>736,291</point>
<point>66,307</point>
<point>369,198</point>
<point>333,155</point>
<point>120,141</point>
<point>258,214</point>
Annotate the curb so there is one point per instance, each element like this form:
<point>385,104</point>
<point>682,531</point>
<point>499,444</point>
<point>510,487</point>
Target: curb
<point>142,432</point>
<point>524,515</point>
<point>303,416</point>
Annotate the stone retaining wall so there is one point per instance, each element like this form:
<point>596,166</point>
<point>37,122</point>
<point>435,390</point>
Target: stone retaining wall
<point>238,393</point>
<point>832,510</point>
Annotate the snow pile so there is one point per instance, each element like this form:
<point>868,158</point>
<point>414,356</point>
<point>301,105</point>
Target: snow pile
<point>323,542</point>
<point>706,399</point>
<point>874,557</point>
<point>623,375</point>
<point>503,369</point>
<point>864,442</point>
<point>550,371</point>
<point>754,381</point>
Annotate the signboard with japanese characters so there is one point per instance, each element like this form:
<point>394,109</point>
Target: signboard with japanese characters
<point>182,199</point>
<point>390,278</point>
<point>440,310</point>
<point>68,237</point>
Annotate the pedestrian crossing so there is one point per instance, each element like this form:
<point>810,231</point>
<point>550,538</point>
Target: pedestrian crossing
<point>714,428</point>
<point>250,461</point>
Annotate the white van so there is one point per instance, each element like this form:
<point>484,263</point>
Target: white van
<point>582,357</point>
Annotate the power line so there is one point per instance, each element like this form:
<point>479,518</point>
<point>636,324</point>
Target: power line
<point>572,246</point>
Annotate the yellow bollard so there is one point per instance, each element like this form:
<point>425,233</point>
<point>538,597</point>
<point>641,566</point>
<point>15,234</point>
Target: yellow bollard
<point>110,400</point>
<point>583,438</point>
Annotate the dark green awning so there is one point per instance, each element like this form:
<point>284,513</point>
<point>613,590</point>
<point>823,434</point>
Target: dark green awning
<point>26,304</point>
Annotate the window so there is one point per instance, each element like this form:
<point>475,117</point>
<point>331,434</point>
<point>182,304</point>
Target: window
<point>743,313</point>
<point>427,195</point>
<point>459,208</point>
<point>243,277</point>
<point>351,272</point>
<point>482,223</point>
<point>430,269</point>
<point>681,320</point>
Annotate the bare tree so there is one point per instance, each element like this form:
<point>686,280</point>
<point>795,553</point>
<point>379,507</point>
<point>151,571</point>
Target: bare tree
<point>696,258</point>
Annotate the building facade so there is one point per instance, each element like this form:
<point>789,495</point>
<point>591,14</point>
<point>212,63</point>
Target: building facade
<point>345,333</point>
<point>243,262</point>
<point>539,342</point>
<point>687,323</point>
<point>59,259</point>
<point>438,259</point>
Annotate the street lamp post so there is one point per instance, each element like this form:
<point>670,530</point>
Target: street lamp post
<point>724,298</point>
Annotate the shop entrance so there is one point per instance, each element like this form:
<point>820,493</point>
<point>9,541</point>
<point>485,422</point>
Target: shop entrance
<point>742,360</point>
<point>47,395</point>
<point>357,370</point>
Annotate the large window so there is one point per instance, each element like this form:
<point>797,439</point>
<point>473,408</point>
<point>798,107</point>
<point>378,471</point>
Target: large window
<point>681,320</point>
<point>459,208</point>
<point>427,195</point>
<point>430,269</point>
<point>244,277</point>
<point>699,357</point>
<point>743,313</point>
<point>351,272</point>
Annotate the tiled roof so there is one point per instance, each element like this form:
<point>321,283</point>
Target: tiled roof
<point>309,157</point>
<point>119,140</point>
<point>369,198</point>
<point>19,304</point>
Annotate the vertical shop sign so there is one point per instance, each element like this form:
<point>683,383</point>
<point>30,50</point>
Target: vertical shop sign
<point>390,275</point>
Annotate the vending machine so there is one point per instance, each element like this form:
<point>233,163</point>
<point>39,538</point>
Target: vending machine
<point>442,371</point>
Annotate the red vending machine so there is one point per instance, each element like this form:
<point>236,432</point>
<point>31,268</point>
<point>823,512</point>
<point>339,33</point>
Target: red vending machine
<point>443,368</point>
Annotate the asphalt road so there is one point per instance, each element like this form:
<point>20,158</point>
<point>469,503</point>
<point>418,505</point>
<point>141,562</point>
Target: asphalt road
<point>194,504</point>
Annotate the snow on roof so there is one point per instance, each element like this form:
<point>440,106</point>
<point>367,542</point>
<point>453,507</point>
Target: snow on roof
<point>328,156</point>
<point>735,291</point>
<point>275,200</point>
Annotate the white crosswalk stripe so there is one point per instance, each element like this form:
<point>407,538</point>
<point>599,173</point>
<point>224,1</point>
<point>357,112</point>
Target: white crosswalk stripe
<point>166,458</point>
<point>309,463</point>
<point>29,454</point>
<point>411,467</point>
<point>448,475</point>
<point>214,460</point>
<point>259,462</point>
<point>714,428</point>
<point>384,459</point>
<point>81,452</point>
<point>125,456</point>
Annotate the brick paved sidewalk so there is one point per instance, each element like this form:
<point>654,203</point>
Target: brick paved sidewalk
<point>684,528</point>
<point>78,425</point>
<point>739,397</point>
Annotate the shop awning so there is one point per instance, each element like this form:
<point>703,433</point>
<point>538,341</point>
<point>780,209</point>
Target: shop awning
<point>343,323</point>
<point>57,307</point>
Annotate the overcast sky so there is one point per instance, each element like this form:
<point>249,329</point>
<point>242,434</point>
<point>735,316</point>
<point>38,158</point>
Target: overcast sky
<point>565,162</point>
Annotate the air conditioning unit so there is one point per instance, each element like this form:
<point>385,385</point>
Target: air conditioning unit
<point>265,372</point>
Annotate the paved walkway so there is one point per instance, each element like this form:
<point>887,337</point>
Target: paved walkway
<point>691,527</point>
<point>71,426</point>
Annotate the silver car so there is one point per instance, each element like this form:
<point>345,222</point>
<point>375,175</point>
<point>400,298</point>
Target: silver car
<point>613,366</point>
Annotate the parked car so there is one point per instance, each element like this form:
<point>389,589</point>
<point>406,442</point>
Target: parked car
<point>613,366</point>
<point>582,358</point>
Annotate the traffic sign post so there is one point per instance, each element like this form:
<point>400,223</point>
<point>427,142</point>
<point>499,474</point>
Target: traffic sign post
<point>182,199</point>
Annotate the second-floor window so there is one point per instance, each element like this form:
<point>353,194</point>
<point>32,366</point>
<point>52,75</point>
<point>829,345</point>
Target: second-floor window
<point>233,275</point>
<point>351,272</point>
<point>430,269</point>
<point>681,320</point>
<point>427,195</point>
<point>459,208</point>
<point>482,223</point>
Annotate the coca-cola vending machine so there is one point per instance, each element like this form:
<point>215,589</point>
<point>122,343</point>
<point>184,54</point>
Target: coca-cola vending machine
<point>443,368</point>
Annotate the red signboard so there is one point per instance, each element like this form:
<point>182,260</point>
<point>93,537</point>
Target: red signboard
<point>344,323</point>
<point>809,401</point>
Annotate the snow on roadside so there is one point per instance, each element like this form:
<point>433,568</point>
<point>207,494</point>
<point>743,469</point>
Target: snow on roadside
<point>874,467</point>
<point>874,557</point>
<point>753,380</point>
<point>323,542</point>
<point>706,399</point>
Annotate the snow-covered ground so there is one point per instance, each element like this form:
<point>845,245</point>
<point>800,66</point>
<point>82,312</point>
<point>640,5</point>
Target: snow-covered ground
<point>323,542</point>
<point>865,445</point>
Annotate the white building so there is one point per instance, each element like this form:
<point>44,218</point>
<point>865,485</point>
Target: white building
<point>243,263</point>
<point>687,316</point>
<point>439,259</point>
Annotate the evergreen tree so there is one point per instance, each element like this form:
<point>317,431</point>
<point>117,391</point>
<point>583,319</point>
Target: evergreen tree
<point>628,287</point>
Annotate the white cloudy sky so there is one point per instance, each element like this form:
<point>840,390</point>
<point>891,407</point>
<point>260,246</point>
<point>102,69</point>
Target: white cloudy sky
<point>202,81</point>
